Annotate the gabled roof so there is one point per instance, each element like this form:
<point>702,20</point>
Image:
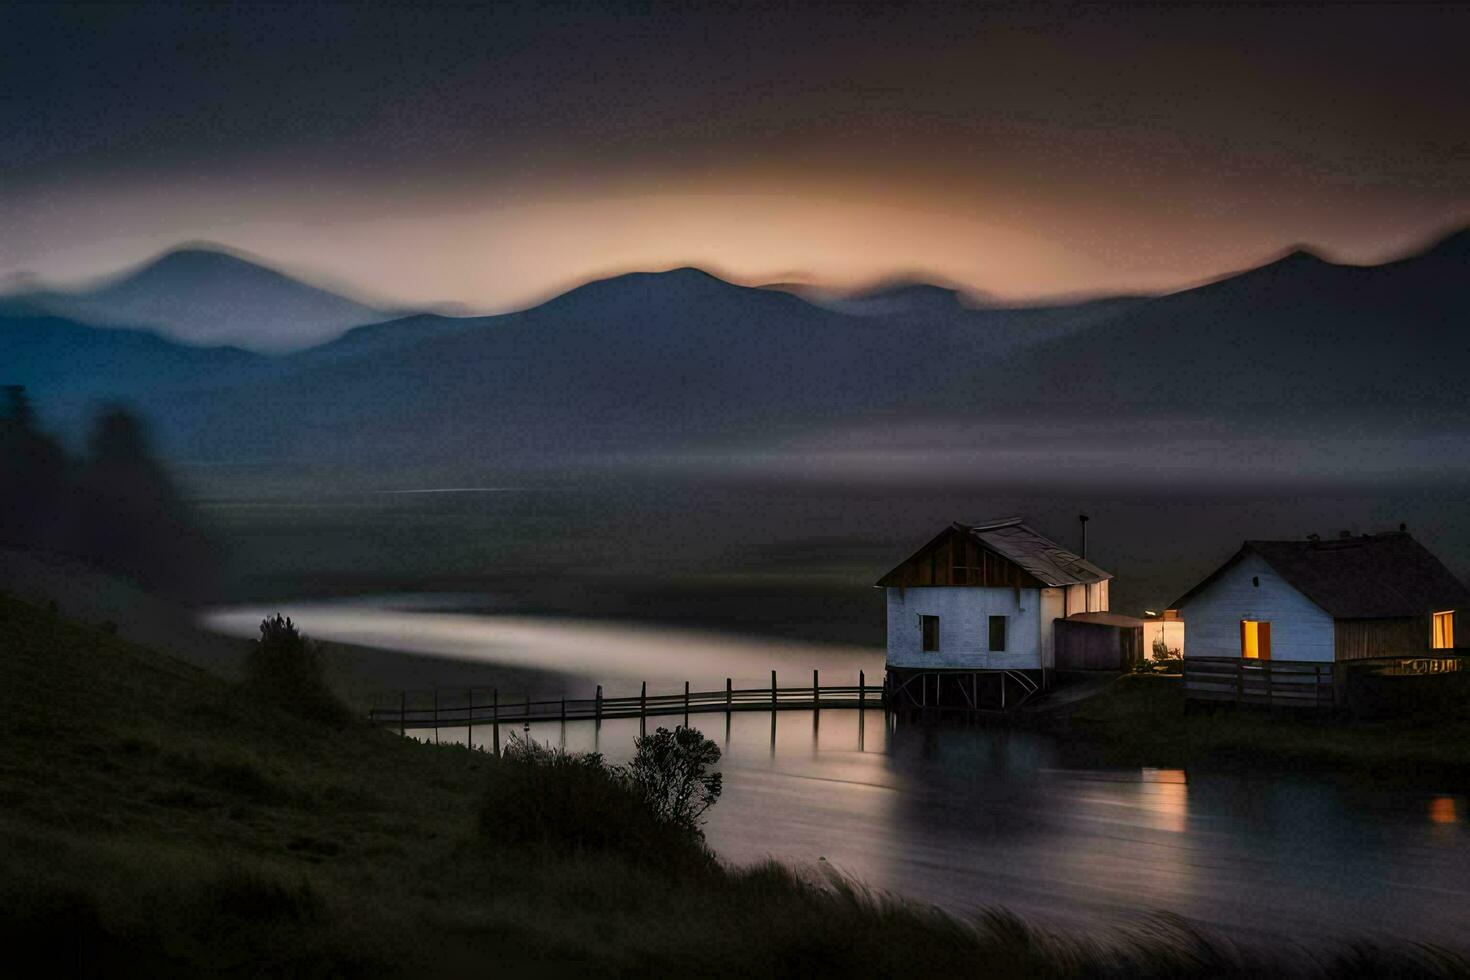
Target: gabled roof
<point>1036,556</point>
<point>1035,552</point>
<point>1374,576</point>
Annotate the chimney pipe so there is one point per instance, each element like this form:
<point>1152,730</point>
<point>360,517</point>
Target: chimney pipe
<point>1083,519</point>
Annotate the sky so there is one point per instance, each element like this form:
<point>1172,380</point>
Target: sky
<point>491,156</point>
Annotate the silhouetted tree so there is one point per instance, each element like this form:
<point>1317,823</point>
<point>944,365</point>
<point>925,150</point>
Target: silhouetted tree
<point>128,516</point>
<point>285,666</point>
<point>33,478</point>
<point>671,772</point>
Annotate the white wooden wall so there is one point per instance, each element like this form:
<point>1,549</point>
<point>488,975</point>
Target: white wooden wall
<point>1087,598</point>
<point>1052,602</point>
<point>964,627</point>
<point>1300,630</point>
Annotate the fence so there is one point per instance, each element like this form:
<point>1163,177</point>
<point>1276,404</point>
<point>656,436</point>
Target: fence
<point>447,711</point>
<point>1275,683</point>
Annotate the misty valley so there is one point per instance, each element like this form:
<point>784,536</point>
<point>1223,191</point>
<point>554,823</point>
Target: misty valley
<point>769,489</point>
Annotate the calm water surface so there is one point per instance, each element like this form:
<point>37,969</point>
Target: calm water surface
<point>969,818</point>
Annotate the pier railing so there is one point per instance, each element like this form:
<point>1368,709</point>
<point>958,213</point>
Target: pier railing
<point>472,707</point>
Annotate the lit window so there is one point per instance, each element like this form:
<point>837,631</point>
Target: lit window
<point>929,627</point>
<point>1255,639</point>
<point>1444,630</point>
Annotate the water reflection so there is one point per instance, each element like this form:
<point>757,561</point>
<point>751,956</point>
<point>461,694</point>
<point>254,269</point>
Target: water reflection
<point>969,817</point>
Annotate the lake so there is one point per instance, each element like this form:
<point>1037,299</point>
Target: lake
<point>966,817</point>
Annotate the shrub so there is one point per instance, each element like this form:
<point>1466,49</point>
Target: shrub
<point>285,666</point>
<point>671,772</point>
<point>543,796</point>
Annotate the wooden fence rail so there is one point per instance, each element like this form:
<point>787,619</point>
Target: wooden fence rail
<point>445,713</point>
<point>1276,683</point>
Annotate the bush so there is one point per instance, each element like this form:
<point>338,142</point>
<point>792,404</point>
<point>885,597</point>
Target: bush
<point>671,772</point>
<point>285,666</point>
<point>648,810</point>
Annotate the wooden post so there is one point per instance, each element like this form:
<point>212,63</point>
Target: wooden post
<point>403,712</point>
<point>816,691</point>
<point>862,692</point>
<point>729,697</point>
<point>599,704</point>
<point>773,693</point>
<point>686,704</point>
<point>563,709</point>
<point>495,719</point>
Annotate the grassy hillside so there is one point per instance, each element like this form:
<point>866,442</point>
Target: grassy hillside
<point>157,820</point>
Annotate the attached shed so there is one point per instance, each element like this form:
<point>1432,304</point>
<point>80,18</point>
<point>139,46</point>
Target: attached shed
<point>972,612</point>
<point>1287,622</point>
<point>1099,641</point>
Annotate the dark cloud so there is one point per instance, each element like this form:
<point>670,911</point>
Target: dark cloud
<point>1344,121</point>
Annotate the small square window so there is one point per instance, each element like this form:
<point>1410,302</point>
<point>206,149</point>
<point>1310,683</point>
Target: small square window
<point>929,627</point>
<point>997,634</point>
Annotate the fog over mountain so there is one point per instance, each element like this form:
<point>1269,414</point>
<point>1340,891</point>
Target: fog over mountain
<point>206,295</point>
<point>1297,334</point>
<point>684,369</point>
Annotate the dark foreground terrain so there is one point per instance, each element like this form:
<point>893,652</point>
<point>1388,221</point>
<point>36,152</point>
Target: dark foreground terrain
<point>157,820</point>
<point>1140,720</point>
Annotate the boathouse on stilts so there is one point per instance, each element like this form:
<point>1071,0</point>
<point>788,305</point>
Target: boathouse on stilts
<point>972,614</point>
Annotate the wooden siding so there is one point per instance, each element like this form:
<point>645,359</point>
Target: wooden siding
<point>1092,597</point>
<point>1300,630</point>
<point>955,558</point>
<point>1052,603</point>
<point>1362,639</point>
<point>964,628</point>
<point>1096,646</point>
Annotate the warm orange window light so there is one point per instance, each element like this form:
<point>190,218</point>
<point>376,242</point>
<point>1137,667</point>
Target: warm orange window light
<point>1444,630</point>
<point>1255,639</point>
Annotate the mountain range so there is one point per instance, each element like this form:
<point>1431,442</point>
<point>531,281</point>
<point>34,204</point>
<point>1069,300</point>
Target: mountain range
<point>685,361</point>
<point>208,295</point>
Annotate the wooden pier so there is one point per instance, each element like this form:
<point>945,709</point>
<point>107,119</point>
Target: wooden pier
<point>470,708</point>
